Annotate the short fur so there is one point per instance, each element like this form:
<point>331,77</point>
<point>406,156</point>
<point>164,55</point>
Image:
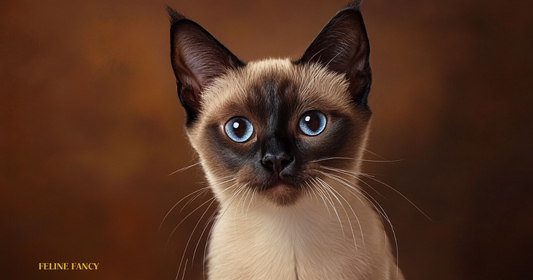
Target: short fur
<point>290,205</point>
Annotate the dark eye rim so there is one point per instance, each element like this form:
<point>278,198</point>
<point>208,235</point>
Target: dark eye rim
<point>322,128</point>
<point>248,135</point>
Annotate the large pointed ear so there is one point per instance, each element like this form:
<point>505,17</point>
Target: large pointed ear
<point>197,59</point>
<point>342,46</point>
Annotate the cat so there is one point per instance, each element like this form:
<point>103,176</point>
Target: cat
<point>280,142</point>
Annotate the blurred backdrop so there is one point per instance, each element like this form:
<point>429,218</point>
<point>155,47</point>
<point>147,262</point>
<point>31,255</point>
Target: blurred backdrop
<point>91,128</point>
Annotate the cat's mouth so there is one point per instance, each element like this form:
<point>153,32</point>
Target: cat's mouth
<point>281,192</point>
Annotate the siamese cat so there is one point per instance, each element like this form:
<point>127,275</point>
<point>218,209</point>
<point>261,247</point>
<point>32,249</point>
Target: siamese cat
<point>280,142</point>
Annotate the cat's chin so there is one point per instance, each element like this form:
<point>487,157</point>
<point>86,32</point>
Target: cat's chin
<point>282,193</point>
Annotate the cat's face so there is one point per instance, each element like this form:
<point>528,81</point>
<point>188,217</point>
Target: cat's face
<point>274,127</point>
<point>277,128</point>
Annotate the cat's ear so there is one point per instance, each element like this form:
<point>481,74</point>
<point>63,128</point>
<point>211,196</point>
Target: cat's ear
<point>342,46</point>
<point>197,59</point>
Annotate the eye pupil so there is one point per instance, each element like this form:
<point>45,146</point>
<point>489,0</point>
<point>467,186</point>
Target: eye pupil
<point>239,129</point>
<point>312,123</point>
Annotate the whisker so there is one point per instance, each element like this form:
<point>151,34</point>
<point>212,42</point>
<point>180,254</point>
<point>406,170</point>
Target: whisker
<point>332,204</point>
<point>396,191</point>
<point>347,172</point>
<point>379,209</point>
<point>381,161</point>
<point>354,175</point>
<point>212,200</point>
<point>178,274</point>
<point>251,200</point>
<point>333,158</point>
<point>381,212</point>
<point>199,192</point>
<point>184,168</point>
<point>213,185</point>
<point>192,233</point>
<point>209,200</point>
<point>362,159</point>
<point>196,191</point>
<point>332,190</point>
<point>382,158</point>
<point>333,176</point>
<point>224,179</point>
<point>314,190</point>
<point>241,198</point>
<point>373,202</point>
<point>219,217</point>
<point>369,151</point>
<point>193,198</point>
<point>362,192</point>
<point>202,234</point>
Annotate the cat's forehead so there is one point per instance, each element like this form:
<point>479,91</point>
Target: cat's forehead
<point>274,80</point>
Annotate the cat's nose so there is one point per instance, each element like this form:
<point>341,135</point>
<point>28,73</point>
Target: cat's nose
<point>276,162</point>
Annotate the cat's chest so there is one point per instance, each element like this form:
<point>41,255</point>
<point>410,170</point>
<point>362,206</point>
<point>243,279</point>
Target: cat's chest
<point>277,245</point>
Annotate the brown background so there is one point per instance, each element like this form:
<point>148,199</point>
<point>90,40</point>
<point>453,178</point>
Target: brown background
<point>91,127</point>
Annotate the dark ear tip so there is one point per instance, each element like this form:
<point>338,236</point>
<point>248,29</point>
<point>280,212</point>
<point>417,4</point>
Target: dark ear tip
<point>354,5</point>
<point>173,15</point>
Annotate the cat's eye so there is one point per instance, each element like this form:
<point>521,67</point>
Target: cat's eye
<point>312,123</point>
<point>239,129</point>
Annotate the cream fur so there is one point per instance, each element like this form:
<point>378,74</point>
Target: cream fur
<point>268,242</point>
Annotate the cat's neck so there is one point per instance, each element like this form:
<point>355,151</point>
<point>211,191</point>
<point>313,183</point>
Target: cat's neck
<point>332,230</point>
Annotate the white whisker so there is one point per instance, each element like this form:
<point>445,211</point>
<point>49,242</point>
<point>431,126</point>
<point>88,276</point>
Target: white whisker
<point>199,190</point>
<point>396,191</point>
<point>332,204</point>
<point>332,190</point>
<point>185,267</point>
<point>380,210</point>
<point>211,200</point>
<point>192,233</point>
<point>198,193</point>
<point>241,189</point>
<point>333,158</point>
<point>381,161</point>
<point>354,175</point>
<point>218,218</point>
<point>202,234</point>
<point>184,168</point>
<point>315,190</point>
<point>250,203</point>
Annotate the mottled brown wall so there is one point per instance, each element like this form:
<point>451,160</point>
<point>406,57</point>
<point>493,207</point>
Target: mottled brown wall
<point>90,127</point>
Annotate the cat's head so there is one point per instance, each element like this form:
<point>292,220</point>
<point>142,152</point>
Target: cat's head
<point>277,127</point>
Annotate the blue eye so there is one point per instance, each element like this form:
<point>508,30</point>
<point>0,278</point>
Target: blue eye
<point>239,129</point>
<point>312,123</point>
